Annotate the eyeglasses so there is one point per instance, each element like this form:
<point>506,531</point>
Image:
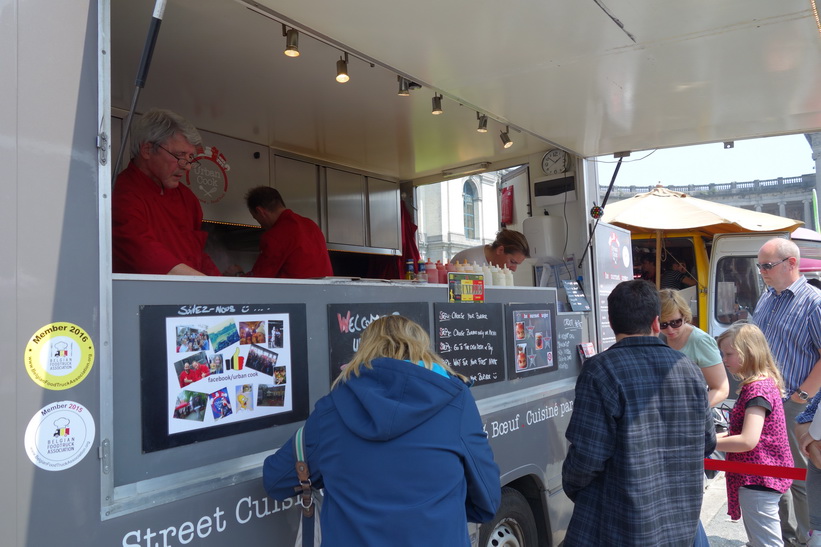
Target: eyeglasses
<point>770,265</point>
<point>674,323</point>
<point>181,161</point>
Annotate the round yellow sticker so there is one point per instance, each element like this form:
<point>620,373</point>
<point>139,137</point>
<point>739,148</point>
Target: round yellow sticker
<point>59,356</point>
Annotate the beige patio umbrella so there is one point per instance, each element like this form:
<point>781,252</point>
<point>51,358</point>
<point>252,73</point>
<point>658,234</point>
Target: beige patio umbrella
<point>662,210</point>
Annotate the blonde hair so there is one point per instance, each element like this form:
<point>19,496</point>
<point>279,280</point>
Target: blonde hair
<point>753,354</point>
<point>672,302</point>
<point>396,337</point>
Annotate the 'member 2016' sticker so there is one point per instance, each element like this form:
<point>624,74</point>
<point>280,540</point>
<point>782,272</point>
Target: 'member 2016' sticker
<point>59,356</point>
<point>59,435</point>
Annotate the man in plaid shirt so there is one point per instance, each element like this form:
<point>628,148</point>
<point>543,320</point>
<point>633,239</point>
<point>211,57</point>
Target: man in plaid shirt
<point>640,429</point>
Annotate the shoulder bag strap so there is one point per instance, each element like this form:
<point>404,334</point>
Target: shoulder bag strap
<point>304,489</point>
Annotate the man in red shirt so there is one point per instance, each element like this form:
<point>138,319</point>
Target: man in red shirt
<point>187,376</point>
<point>156,221</point>
<point>198,371</point>
<point>292,246</point>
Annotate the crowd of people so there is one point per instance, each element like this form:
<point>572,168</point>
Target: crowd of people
<point>262,362</point>
<point>633,466</point>
<point>641,426</point>
<point>193,341</point>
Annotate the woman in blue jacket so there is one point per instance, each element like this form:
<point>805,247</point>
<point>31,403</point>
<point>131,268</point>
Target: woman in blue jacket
<point>397,445</point>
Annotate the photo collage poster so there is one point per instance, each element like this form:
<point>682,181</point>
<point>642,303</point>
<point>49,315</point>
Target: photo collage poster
<point>225,369</point>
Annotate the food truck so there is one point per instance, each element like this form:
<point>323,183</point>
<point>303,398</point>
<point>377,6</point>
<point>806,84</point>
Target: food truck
<point>107,446</point>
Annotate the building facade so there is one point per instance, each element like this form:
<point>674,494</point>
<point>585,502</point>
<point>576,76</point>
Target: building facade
<point>790,197</point>
<point>457,214</point>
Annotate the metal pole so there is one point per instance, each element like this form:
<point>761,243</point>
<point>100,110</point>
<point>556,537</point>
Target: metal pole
<point>142,74</point>
<point>606,195</point>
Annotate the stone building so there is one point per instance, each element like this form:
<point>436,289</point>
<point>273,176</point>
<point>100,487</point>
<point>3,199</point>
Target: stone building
<point>789,197</point>
<point>457,214</point>
<point>464,212</point>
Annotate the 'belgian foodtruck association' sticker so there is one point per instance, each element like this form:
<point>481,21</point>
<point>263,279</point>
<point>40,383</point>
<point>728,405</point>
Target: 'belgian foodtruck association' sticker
<point>59,435</point>
<point>59,356</point>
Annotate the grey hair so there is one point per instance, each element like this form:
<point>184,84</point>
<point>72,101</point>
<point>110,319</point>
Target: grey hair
<point>785,248</point>
<point>157,126</point>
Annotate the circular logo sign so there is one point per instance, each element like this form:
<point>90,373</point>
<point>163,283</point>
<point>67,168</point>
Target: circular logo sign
<point>209,179</point>
<point>59,356</point>
<point>59,435</point>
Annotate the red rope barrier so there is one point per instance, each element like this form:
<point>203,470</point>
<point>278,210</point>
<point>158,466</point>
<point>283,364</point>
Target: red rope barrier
<point>744,468</point>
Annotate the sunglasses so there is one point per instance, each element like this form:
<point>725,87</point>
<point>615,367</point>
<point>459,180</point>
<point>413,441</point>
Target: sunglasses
<point>675,323</point>
<point>770,265</point>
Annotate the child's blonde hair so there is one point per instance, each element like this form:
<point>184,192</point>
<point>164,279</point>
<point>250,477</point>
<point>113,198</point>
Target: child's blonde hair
<point>753,353</point>
<point>396,337</point>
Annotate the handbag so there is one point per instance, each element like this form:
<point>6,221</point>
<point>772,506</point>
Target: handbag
<point>309,533</point>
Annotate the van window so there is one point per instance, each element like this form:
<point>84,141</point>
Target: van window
<point>738,287</point>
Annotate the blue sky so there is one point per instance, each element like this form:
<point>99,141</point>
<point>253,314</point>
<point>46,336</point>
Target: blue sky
<point>761,159</point>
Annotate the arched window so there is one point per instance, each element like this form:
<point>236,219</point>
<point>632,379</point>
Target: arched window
<point>469,205</point>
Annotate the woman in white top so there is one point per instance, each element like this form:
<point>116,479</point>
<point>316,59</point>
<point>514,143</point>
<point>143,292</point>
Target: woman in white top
<point>693,342</point>
<point>510,248</point>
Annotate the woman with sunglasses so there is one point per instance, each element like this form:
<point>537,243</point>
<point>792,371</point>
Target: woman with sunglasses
<point>693,342</point>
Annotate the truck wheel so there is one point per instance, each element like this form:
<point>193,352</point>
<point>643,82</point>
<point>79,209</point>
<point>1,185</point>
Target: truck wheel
<point>513,525</point>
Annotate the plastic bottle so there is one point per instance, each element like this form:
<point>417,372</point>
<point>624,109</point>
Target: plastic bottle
<point>442,272</point>
<point>430,269</point>
<point>476,268</point>
<point>508,276</point>
<point>497,276</point>
<point>421,275</point>
<point>457,267</point>
<point>450,267</point>
<point>487,275</point>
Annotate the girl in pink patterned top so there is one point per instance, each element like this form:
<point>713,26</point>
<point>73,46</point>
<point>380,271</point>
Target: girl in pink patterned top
<point>758,433</point>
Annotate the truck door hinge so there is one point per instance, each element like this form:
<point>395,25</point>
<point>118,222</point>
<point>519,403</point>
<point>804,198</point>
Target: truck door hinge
<point>102,145</point>
<point>104,453</point>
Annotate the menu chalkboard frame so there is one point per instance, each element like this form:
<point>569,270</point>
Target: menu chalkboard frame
<point>362,314</point>
<point>494,315</point>
<point>510,310</point>
<point>569,329</point>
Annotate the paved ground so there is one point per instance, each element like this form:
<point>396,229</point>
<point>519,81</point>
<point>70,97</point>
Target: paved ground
<point>721,531</point>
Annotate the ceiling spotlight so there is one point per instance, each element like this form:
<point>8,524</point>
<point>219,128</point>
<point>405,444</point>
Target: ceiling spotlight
<point>437,104</point>
<point>729,144</point>
<point>291,42</point>
<point>504,135</point>
<point>342,70</point>
<point>404,86</point>
<point>482,123</point>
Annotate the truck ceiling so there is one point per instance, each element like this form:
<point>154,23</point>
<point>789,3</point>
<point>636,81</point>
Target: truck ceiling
<point>590,76</point>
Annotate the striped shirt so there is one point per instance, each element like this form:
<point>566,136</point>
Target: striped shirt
<point>791,322</point>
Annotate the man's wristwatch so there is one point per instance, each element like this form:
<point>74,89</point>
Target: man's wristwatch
<point>803,395</point>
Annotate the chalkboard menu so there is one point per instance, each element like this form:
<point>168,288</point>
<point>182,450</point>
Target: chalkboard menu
<point>531,339</point>
<point>568,338</point>
<point>347,321</point>
<point>471,340</point>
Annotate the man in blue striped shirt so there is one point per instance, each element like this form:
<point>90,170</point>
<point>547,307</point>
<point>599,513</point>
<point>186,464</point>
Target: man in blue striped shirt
<point>789,313</point>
